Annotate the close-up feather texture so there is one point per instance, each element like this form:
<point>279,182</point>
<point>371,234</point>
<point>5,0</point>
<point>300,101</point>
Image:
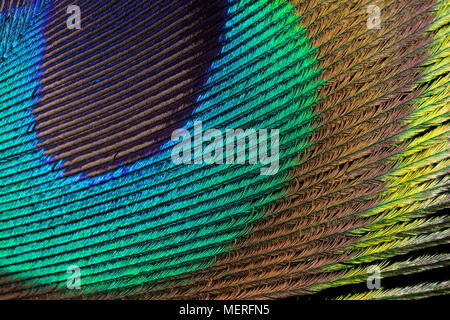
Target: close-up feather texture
<point>357,89</point>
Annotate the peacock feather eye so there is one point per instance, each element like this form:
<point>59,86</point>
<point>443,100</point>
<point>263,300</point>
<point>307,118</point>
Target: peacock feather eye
<point>223,149</point>
<point>114,90</point>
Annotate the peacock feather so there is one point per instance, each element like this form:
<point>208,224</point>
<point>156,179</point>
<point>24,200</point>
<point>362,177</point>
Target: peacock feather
<point>357,91</point>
